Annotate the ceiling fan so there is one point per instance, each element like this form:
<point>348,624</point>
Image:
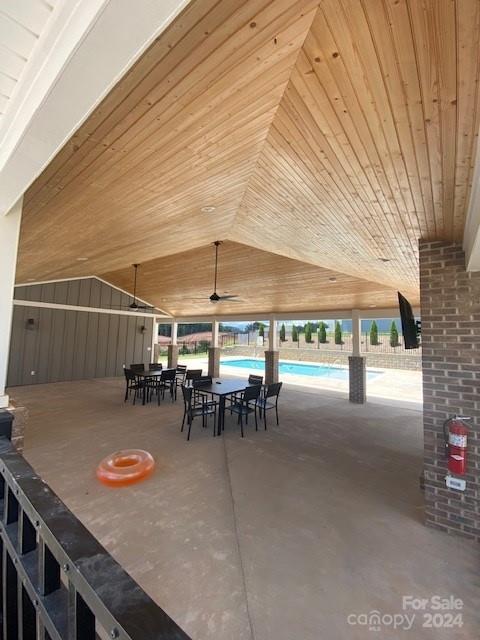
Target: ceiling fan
<point>214,298</point>
<point>133,305</point>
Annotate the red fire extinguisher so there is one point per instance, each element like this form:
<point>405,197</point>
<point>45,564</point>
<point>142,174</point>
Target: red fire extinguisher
<point>456,435</point>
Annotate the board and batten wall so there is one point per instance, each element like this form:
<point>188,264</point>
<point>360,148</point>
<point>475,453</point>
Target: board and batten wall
<point>63,345</point>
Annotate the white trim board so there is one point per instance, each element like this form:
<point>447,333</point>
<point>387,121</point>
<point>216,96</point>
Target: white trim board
<point>66,79</point>
<point>127,293</point>
<point>109,284</point>
<point>72,307</point>
<point>471,234</point>
<point>341,314</point>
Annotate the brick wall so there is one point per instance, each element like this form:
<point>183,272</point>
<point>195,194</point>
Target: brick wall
<point>450,302</point>
<point>357,379</point>
<point>214,354</point>
<point>271,367</point>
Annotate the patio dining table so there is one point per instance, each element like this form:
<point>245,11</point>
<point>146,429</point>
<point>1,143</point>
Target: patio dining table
<point>222,388</point>
<point>150,373</point>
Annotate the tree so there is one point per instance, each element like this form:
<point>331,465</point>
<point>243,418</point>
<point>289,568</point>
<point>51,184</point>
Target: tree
<point>294,333</point>
<point>261,330</point>
<point>393,334</point>
<point>338,333</point>
<point>374,334</point>
<point>282,333</point>
<point>322,333</point>
<point>308,333</point>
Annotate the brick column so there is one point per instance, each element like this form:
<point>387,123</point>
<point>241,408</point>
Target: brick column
<point>172,355</point>
<point>271,367</point>
<point>214,361</point>
<point>450,303</point>
<point>12,425</point>
<point>20,416</point>
<point>357,379</point>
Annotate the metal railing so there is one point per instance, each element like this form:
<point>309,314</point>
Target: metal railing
<point>57,581</point>
<point>384,345</point>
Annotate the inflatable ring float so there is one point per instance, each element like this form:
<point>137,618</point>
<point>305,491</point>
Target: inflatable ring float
<point>125,467</point>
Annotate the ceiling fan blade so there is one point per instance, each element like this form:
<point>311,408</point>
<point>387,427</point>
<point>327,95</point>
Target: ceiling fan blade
<point>229,300</point>
<point>227,297</point>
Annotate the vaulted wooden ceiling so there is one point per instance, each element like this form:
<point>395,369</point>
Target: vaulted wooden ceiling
<point>334,132</point>
<point>182,283</point>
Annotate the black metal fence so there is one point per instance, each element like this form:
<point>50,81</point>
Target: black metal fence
<point>57,581</point>
<point>384,344</point>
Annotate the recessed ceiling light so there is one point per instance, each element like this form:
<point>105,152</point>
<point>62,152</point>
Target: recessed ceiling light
<point>372,306</point>
<point>82,259</point>
<point>208,209</point>
<point>332,279</point>
<point>30,279</point>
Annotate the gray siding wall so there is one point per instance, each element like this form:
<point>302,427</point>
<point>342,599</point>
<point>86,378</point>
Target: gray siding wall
<point>72,345</point>
<point>89,292</point>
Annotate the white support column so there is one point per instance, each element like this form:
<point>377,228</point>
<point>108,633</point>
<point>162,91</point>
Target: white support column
<point>174,332</point>
<point>356,332</point>
<point>214,351</point>
<point>215,333</point>
<point>173,347</point>
<point>153,348</point>
<point>9,234</point>
<point>271,356</point>
<point>273,334</point>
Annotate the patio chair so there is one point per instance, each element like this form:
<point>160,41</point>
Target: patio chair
<point>193,374</point>
<point>158,384</point>
<point>133,383</point>
<point>252,379</point>
<point>244,406</point>
<point>271,391</point>
<point>191,410</point>
<point>155,366</point>
<point>167,381</point>
<point>197,384</point>
<point>180,374</point>
<point>137,367</point>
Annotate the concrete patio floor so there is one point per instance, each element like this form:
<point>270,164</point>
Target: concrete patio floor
<point>279,536</point>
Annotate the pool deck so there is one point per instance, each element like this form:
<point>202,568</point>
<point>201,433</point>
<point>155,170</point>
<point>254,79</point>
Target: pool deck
<point>395,385</point>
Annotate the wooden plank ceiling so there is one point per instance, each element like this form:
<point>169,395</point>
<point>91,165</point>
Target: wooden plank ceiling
<point>264,282</point>
<point>333,132</point>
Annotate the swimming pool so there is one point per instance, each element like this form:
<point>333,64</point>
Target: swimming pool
<point>284,366</point>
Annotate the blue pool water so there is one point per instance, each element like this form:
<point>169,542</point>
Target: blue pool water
<point>312,370</point>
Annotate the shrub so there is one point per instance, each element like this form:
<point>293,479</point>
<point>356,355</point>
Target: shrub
<point>322,333</point>
<point>282,333</point>
<point>308,333</point>
<point>261,330</point>
<point>203,346</point>
<point>294,333</point>
<point>394,335</point>
<point>374,334</point>
<point>338,333</point>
